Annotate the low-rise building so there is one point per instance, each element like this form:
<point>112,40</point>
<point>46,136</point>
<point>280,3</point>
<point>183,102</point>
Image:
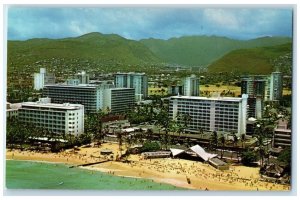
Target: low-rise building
<point>282,135</point>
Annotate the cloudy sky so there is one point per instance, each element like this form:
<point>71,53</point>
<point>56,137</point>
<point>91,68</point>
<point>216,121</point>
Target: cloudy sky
<point>138,23</point>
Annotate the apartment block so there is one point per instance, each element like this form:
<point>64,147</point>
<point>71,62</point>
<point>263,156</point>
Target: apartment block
<point>138,81</point>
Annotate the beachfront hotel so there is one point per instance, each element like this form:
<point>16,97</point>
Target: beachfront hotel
<point>119,100</point>
<point>91,96</point>
<point>59,118</point>
<point>138,81</point>
<point>222,114</point>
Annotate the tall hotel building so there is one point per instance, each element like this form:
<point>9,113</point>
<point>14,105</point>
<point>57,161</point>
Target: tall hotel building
<point>119,100</point>
<point>91,96</point>
<point>276,86</point>
<point>191,86</point>
<point>255,87</point>
<point>58,118</point>
<point>225,114</point>
<point>43,78</point>
<point>138,81</point>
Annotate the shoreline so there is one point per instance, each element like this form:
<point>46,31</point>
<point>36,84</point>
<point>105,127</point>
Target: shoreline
<point>170,171</point>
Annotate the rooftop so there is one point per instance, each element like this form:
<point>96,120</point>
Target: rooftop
<point>129,73</point>
<point>237,99</point>
<point>65,106</point>
<point>75,86</point>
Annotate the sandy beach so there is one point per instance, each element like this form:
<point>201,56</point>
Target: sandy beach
<point>173,171</point>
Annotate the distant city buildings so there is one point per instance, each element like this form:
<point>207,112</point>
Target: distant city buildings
<point>58,118</point>
<point>191,86</point>
<point>138,81</point>
<point>83,77</point>
<point>224,114</point>
<point>175,90</point>
<point>43,78</point>
<point>282,135</point>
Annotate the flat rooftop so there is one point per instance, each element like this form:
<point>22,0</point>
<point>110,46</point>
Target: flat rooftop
<point>129,73</point>
<point>77,86</point>
<point>236,99</point>
<point>64,106</point>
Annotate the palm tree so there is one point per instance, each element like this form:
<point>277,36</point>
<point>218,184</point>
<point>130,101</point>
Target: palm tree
<point>214,140</point>
<point>243,139</point>
<point>222,139</point>
<point>235,140</point>
<point>201,132</point>
<point>260,134</point>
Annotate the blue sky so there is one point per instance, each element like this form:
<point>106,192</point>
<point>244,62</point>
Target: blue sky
<point>139,23</point>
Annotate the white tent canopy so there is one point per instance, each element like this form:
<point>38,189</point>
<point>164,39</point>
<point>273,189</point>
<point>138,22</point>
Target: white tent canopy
<point>196,149</point>
<point>176,152</point>
<point>202,153</point>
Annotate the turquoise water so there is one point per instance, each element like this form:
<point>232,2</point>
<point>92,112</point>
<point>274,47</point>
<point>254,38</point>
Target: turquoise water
<point>38,175</point>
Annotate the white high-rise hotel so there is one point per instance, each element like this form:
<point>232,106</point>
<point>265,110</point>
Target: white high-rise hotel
<point>58,118</point>
<point>43,78</point>
<point>191,86</point>
<point>225,114</point>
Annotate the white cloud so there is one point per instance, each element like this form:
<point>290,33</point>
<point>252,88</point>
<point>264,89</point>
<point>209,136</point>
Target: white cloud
<point>220,17</point>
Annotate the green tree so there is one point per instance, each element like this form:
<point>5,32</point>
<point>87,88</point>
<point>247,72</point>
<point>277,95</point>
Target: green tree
<point>243,139</point>
<point>222,140</point>
<point>214,140</point>
<point>286,157</point>
<point>150,146</point>
<point>248,157</point>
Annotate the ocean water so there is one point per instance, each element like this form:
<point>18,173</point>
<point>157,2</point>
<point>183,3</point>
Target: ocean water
<point>39,175</point>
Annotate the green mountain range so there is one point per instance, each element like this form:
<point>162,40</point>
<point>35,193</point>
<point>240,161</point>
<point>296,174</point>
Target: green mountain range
<point>102,53</point>
<point>104,48</point>
<point>203,50</point>
<point>260,60</point>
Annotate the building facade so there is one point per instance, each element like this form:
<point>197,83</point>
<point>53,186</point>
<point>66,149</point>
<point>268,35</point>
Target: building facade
<point>223,114</point>
<point>138,81</point>
<point>58,118</point>
<point>43,78</point>
<point>276,86</point>
<point>91,96</point>
<point>191,86</point>
<point>12,109</point>
<point>119,100</point>
<point>282,135</point>
<point>83,77</point>
<point>175,90</point>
